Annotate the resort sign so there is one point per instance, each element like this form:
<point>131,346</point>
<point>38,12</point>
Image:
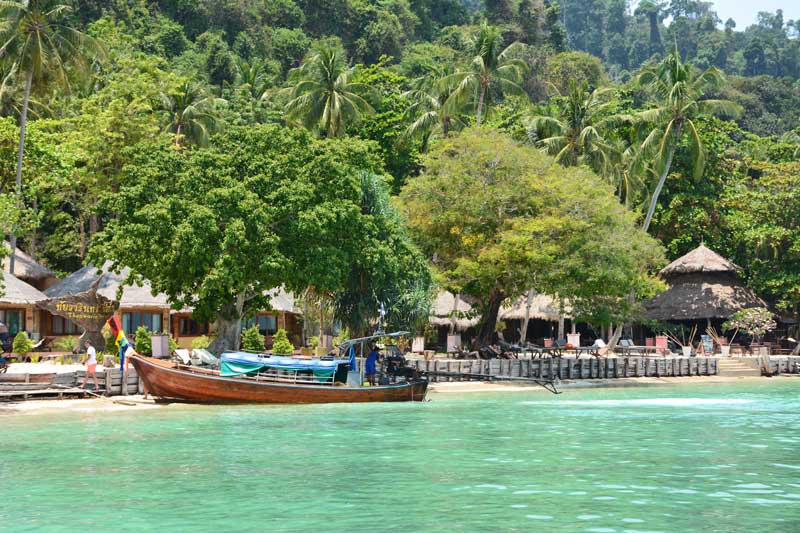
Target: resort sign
<point>88,310</point>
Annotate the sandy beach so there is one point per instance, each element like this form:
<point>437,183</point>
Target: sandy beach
<point>123,403</point>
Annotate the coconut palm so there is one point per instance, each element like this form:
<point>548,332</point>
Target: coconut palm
<point>428,97</point>
<point>253,78</point>
<point>323,97</point>
<point>491,68</point>
<point>191,113</point>
<point>40,45</point>
<point>574,131</point>
<point>679,94</point>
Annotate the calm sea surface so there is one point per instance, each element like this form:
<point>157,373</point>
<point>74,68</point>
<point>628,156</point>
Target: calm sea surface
<point>722,458</point>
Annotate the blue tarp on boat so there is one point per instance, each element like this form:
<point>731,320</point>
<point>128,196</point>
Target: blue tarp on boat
<point>239,363</point>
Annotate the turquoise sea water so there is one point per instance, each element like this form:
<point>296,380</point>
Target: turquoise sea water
<point>722,458</point>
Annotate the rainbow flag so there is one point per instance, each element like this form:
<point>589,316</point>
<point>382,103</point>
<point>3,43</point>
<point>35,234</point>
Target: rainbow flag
<point>124,347</point>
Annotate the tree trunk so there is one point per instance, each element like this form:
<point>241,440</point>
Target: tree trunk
<point>81,238</point>
<point>488,324</point>
<point>454,315</point>
<point>663,178</point>
<point>481,98</point>
<point>560,327</point>
<point>228,327</point>
<point>23,123</point>
<point>446,127</point>
<point>93,225</point>
<point>614,340</point>
<point>523,332</point>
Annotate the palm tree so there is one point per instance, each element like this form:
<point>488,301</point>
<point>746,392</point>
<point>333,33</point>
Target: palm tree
<point>491,67</point>
<point>680,101</point>
<point>573,132</point>
<point>191,113</point>
<point>40,44</point>
<point>428,97</point>
<point>323,97</point>
<point>252,77</point>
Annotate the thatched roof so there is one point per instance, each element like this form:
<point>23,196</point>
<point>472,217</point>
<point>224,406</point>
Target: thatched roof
<point>446,306</point>
<point>25,267</point>
<point>132,295</point>
<point>701,259</point>
<point>543,307</point>
<point>17,292</point>
<point>701,296</point>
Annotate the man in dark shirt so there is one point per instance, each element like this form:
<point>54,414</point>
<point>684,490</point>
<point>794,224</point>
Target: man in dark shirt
<point>369,366</point>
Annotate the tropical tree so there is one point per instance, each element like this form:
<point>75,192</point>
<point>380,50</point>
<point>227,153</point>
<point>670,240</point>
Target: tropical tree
<point>41,45</point>
<point>491,68</point>
<point>191,113</point>
<point>574,131</point>
<point>498,218</point>
<point>253,77</point>
<point>323,98</point>
<point>679,93</point>
<point>428,97</point>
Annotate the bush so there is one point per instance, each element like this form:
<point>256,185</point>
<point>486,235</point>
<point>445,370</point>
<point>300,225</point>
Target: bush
<point>173,344</point>
<point>281,344</point>
<point>22,344</point>
<point>252,339</point>
<point>201,343</point>
<point>313,342</point>
<point>111,343</point>
<point>66,344</point>
<point>144,345</point>
<point>344,335</point>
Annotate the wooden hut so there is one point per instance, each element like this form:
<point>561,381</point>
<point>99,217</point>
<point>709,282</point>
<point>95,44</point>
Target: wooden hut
<point>704,287</point>
<point>138,306</point>
<point>29,270</point>
<point>18,306</point>
<point>545,317</point>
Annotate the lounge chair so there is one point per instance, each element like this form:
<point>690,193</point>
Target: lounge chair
<point>183,356</point>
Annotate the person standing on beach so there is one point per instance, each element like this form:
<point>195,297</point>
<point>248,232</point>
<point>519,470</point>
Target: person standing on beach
<point>91,365</point>
<point>369,365</point>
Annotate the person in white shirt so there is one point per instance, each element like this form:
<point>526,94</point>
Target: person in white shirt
<point>91,365</point>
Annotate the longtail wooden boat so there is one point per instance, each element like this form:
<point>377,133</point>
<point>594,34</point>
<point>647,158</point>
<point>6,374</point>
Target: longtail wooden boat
<point>167,379</point>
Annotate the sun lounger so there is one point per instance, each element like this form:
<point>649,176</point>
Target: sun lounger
<point>183,356</point>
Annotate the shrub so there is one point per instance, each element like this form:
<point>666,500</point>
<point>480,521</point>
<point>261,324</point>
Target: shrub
<point>173,344</point>
<point>111,343</point>
<point>22,344</point>
<point>66,344</point>
<point>281,344</point>
<point>201,343</point>
<point>344,335</point>
<point>252,339</point>
<point>144,345</point>
<point>313,342</point>
<point>755,322</point>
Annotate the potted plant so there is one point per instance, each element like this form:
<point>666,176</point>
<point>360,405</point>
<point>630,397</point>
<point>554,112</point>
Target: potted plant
<point>683,341</point>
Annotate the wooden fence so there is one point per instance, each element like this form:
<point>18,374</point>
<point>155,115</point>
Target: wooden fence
<point>114,378</point>
<point>546,369</point>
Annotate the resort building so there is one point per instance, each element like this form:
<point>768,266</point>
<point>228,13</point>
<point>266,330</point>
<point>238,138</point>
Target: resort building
<point>29,270</point>
<point>704,289</point>
<point>18,307</point>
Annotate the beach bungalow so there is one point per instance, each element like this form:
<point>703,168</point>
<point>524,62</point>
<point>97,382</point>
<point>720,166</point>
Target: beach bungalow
<point>137,304</point>
<point>704,289</point>
<point>545,320</point>
<point>29,270</point>
<point>18,307</point>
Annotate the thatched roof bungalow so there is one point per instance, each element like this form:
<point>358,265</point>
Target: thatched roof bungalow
<point>29,270</point>
<point>453,310</point>
<point>18,306</point>
<point>703,286</point>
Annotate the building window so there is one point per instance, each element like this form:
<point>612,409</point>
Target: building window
<point>62,326</point>
<point>189,327</point>
<point>267,324</point>
<point>14,319</point>
<point>132,321</point>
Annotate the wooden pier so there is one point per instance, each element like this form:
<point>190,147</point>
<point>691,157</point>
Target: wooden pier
<point>568,368</point>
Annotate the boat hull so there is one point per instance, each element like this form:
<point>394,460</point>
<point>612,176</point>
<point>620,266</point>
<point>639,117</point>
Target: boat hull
<point>167,380</point>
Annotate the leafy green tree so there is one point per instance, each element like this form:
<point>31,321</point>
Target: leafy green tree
<point>575,132</point>
<point>680,100</point>
<point>143,341</point>
<point>491,68</point>
<point>22,344</point>
<point>654,12</point>
<point>42,45</point>
<point>261,207</point>
<point>191,114</point>
<point>498,218</point>
<point>322,96</point>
